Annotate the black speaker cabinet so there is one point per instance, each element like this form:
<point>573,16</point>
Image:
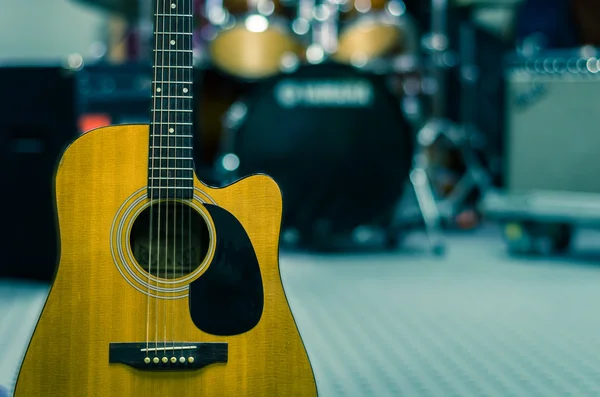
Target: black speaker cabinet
<point>42,110</point>
<point>37,121</point>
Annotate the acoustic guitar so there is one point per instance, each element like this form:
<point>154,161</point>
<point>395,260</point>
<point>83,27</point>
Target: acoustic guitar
<point>165,286</point>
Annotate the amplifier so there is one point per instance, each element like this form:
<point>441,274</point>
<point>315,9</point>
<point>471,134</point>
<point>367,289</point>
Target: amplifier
<point>113,94</point>
<point>37,121</point>
<point>553,122</point>
<point>42,110</point>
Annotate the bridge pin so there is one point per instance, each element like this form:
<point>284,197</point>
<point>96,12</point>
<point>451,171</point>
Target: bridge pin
<point>173,360</point>
<point>165,360</point>
<point>190,360</point>
<point>155,360</point>
<point>147,360</point>
<point>182,360</point>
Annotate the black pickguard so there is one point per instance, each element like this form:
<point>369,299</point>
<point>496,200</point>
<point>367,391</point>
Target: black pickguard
<point>228,298</point>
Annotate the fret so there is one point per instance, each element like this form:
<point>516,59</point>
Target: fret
<point>169,102</point>
<point>173,59</point>
<point>170,183</point>
<point>160,163</point>
<point>169,153</point>
<point>173,41</point>
<point>174,110</point>
<point>173,23</point>
<point>169,187</point>
<point>186,193</point>
<point>181,6</point>
<point>166,118</point>
<point>163,131</point>
<point>172,140</point>
<point>172,116</point>
<point>176,33</point>
<point>170,50</point>
<point>172,102</point>
<point>172,75</point>
<point>172,67</point>
<point>171,128</point>
<point>172,96</point>
<point>171,89</point>
<point>172,173</point>
<point>166,178</point>
<point>175,82</point>
<point>170,147</point>
<point>170,123</point>
<point>173,15</point>
<point>167,141</point>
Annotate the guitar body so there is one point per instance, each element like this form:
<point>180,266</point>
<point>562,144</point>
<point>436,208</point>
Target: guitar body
<point>101,297</point>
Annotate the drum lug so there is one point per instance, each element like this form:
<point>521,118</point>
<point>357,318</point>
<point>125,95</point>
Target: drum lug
<point>235,115</point>
<point>395,8</point>
<point>289,62</point>
<point>435,42</point>
<point>218,16</point>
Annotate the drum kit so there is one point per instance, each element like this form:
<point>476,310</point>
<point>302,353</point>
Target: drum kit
<point>333,113</point>
<point>256,39</point>
<point>325,117</point>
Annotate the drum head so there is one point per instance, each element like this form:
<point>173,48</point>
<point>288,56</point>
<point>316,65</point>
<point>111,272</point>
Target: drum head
<point>252,55</point>
<point>367,41</point>
<point>336,142</point>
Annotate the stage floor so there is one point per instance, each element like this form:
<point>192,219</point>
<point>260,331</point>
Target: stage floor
<point>473,323</point>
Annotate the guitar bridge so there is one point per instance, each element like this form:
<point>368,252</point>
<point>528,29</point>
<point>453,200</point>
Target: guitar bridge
<point>168,356</point>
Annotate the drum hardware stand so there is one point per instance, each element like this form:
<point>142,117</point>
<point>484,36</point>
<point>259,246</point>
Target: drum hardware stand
<point>323,21</point>
<point>462,137</point>
<point>475,175</point>
<point>435,45</point>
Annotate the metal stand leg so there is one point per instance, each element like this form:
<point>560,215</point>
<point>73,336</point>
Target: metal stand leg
<point>476,177</point>
<point>461,137</point>
<point>425,197</point>
<point>420,185</point>
<point>428,208</point>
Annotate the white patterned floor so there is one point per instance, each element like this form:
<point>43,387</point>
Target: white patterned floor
<point>20,306</point>
<point>475,323</point>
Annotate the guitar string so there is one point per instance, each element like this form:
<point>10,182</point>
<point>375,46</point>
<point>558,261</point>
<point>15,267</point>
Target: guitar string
<point>190,102</point>
<point>176,146</point>
<point>171,127</point>
<point>152,173</point>
<point>185,47</point>
<point>184,108</point>
<point>162,189</point>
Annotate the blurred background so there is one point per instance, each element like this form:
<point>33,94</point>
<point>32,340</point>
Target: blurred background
<point>438,161</point>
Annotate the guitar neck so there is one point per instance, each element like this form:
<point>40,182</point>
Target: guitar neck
<point>171,163</point>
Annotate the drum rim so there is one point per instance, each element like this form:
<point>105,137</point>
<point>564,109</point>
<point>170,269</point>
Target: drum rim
<point>404,23</point>
<point>277,22</point>
<point>375,16</point>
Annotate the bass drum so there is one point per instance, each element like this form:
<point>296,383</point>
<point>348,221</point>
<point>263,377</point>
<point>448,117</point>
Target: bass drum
<point>335,140</point>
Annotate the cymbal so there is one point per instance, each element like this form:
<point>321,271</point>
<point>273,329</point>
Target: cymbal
<point>125,8</point>
<point>483,3</point>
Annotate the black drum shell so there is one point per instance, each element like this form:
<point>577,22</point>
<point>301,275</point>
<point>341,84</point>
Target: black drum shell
<point>338,167</point>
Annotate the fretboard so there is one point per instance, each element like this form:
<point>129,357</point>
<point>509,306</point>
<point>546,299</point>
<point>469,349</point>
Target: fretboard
<point>171,165</point>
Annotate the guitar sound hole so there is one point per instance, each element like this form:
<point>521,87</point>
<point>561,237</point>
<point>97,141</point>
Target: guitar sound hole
<point>169,239</point>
